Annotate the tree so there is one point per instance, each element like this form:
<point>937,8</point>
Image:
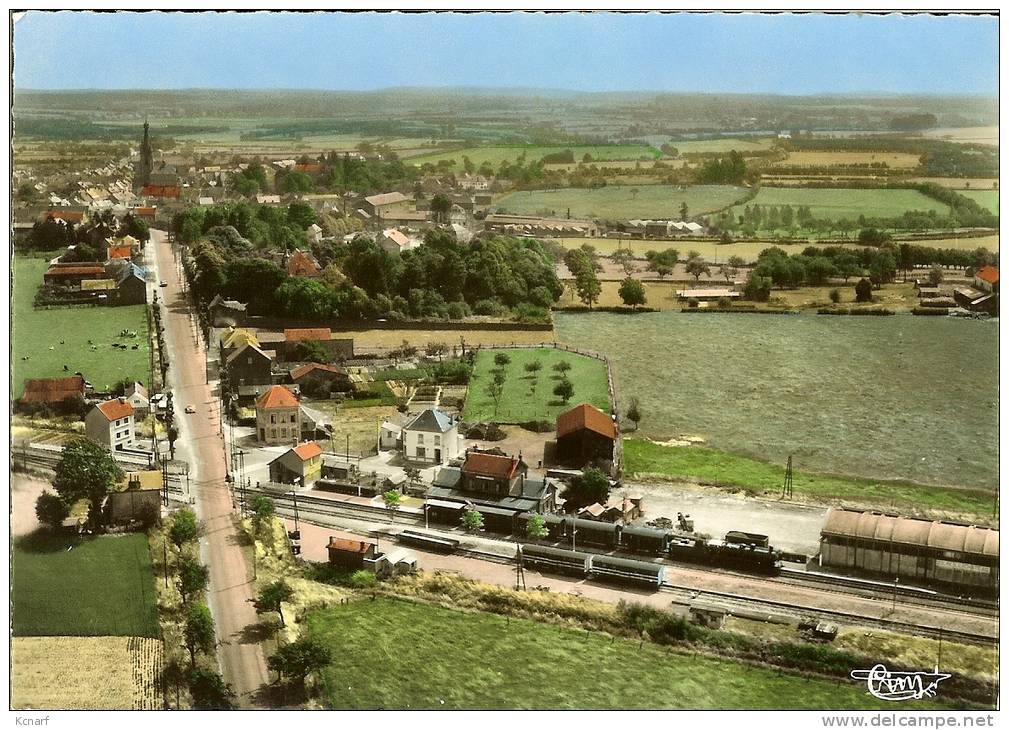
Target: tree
<point>185,527</point>
<point>634,193</point>
<point>51,510</point>
<point>86,471</point>
<point>634,412</point>
<point>863,290</point>
<point>263,509</point>
<point>209,690</point>
<point>412,474</point>
<point>311,352</point>
<point>440,206</point>
<point>632,292</point>
<point>198,632</point>
<point>624,258</point>
<point>587,488</point>
<point>193,577</point>
<point>562,367</point>
<point>271,598</point>
<point>564,390</point>
<point>300,658</point>
<point>588,287</point>
<point>393,500</point>
<point>536,528</point>
<point>835,296</point>
<point>935,276</point>
<point>472,520</point>
<point>697,266</point>
<point>27,193</point>
<point>533,367</point>
<point>757,288</point>
<point>684,211</point>
<point>501,359</point>
<point>495,389</point>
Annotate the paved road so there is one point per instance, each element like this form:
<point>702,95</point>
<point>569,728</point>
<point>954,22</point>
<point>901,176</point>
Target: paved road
<point>201,444</point>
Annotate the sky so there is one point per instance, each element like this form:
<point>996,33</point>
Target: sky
<point>745,53</point>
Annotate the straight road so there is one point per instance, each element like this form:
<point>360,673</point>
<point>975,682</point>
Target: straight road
<point>201,443</point>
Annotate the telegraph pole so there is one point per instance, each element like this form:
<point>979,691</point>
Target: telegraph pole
<point>786,490</point>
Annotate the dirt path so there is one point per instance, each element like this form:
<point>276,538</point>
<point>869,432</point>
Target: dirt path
<point>201,444</point>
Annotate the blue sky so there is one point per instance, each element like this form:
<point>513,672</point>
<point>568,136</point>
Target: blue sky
<point>789,54</point>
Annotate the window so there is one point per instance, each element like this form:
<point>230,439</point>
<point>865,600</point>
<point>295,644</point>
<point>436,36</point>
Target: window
<point>273,433</point>
<point>420,438</point>
<point>421,452</point>
<point>283,432</point>
<point>273,418</point>
<point>437,440</point>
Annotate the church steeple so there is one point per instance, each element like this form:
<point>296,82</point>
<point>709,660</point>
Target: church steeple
<point>146,165</point>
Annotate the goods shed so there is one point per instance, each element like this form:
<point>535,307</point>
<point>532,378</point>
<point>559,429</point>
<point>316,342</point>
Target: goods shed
<point>932,552</point>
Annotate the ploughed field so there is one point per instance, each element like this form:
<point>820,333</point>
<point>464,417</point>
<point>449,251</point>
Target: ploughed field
<point>620,202</point>
<point>416,656</point>
<point>902,397</point>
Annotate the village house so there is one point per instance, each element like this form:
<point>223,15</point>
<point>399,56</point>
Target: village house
<point>136,395</point>
<point>248,367</point>
<point>278,416</point>
<point>986,279</point>
<point>301,464</point>
<point>352,554</point>
<point>387,205</point>
<point>394,242</point>
<point>131,286</point>
<point>314,233</point>
<point>303,263</point>
<point>110,424</point>
<point>584,435</point>
<point>226,312</point>
<point>312,375</point>
<point>432,437</point>
<point>236,337</point>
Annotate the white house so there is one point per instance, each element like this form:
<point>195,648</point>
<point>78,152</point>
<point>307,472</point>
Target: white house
<point>110,424</point>
<point>314,233</point>
<point>432,438</point>
<point>136,396</point>
<point>394,241</point>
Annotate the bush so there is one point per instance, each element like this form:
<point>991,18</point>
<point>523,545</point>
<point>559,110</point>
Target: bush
<point>835,296</point>
<point>363,579</point>
<point>724,303</point>
<point>758,288</point>
<point>454,372</point>
<point>490,308</point>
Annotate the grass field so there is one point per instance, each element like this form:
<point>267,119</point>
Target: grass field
<point>104,586</point>
<point>985,198</point>
<point>91,673</point>
<point>495,155</point>
<point>417,656</point>
<point>894,160</point>
<point>383,340</point>
<point>901,397</point>
<point>518,404</point>
<point>846,203</point>
<point>725,144</point>
<point>643,457</point>
<point>35,331</point>
<point>618,202</point>
<point>960,183</point>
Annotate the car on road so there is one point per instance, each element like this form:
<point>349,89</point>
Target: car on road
<point>190,408</point>
<point>164,283</point>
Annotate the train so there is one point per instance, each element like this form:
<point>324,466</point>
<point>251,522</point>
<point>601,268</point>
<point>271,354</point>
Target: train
<point>592,565</point>
<point>741,551</point>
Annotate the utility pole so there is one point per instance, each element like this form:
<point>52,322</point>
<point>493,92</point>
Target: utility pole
<point>786,491</point>
<point>896,580</point>
<point>165,546</point>
<point>520,573</point>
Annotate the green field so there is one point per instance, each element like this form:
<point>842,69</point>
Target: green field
<point>846,203</point>
<point>618,202</point>
<point>758,477</point>
<point>518,404</point>
<point>36,331</point>
<point>986,198</point>
<point>495,155</point>
<point>104,586</point>
<point>911,398</point>
<point>415,656</point>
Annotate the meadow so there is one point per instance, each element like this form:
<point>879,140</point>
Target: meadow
<point>910,398</point>
<point>94,673</point>
<point>846,203</point>
<point>99,586</point>
<point>809,158</point>
<point>35,331</point>
<point>619,202</point>
<point>985,198</point>
<point>518,403</point>
<point>496,154</point>
<point>722,144</point>
<point>416,656</point>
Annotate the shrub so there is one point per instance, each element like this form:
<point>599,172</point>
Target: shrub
<point>724,303</point>
<point>490,308</point>
<point>363,579</point>
<point>835,296</point>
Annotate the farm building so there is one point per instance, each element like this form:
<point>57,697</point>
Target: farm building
<point>52,391</point>
<point>584,434</point>
<point>355,554</point>
<point>536,226</point>
<point>957,555</point>
<point>286,343</point>
<point>248,367</point>
<point>131,286</point>
<point>301,464</point>
<point>110,424</point>
<point>387,205</point>
<point>72,274</point>
<point>314,374</point>
<point>133,505</point>
<point>986,279</point>
<point>708,295</point>
<point>432,437</point>
<point>278,416</point>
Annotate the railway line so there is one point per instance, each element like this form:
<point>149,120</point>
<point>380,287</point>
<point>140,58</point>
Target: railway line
<point>882,596</point>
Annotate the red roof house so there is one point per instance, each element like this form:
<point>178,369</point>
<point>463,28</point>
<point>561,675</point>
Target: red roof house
<point>52,390</point>
<point>585,435</point>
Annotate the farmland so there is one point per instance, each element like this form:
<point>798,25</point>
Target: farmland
<point>416,656</point>
<point>985,198</point>
<point>803,158</point>
<point>832,391</point>
<point>722,145</point>
<point>37,335</point>
<point>94,673</point>
<point>382,340</point>
<point>846,203</point>
<point>495,155</point>
<point>518,403</point>
<point>103,586</point>
<point>619,202</point>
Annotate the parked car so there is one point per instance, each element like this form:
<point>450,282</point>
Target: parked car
<point>190,408</point>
